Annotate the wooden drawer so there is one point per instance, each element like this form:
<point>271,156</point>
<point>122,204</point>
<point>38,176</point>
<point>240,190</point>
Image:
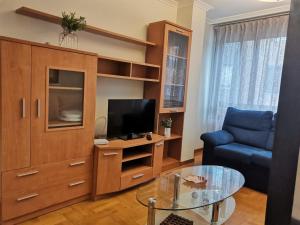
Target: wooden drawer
<point>22,202</point>
<point>132,178</point>
<point>42,176</point>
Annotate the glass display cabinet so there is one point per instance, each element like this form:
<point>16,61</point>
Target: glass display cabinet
<point>175,78</point>
<point>65,98</point>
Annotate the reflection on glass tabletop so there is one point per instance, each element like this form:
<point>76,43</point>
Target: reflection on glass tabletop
<point>221,183</point>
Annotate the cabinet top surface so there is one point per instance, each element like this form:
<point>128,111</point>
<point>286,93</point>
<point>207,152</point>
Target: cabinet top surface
<point>120,144</point>
<point>46,45</point>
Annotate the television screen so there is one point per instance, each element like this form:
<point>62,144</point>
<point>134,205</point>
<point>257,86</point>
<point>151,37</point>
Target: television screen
<point>127,117</point>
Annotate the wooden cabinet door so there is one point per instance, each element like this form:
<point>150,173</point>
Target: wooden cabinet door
<point>15,104</point>
<point>108,168</point>
<point>158,158</point>
<point>53,72</point>
<point>175,69</point>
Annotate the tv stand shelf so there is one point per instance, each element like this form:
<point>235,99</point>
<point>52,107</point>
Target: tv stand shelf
<point>121,144</point>
<point>122,164</point>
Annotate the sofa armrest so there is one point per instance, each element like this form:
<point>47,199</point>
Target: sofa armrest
<point>216,138</point>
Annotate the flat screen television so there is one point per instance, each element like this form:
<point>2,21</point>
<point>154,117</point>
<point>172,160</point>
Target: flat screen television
<point>130,119</point>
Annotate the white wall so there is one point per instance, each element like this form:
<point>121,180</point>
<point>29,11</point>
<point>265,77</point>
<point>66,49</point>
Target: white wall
<point>192,14</point>
<point>128,17</point>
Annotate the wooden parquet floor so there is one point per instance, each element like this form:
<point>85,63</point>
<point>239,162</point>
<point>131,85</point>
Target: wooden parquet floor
<point>123,209</point>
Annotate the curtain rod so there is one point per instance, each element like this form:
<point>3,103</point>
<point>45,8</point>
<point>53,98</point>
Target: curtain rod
<point>253,19</point>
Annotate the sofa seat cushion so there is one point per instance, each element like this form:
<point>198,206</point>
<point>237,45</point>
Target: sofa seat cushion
<point>236,152</point>
<point>262,158</point>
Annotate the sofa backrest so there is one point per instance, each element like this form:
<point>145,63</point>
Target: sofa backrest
<point>271,137</point>
<point>249,127</point>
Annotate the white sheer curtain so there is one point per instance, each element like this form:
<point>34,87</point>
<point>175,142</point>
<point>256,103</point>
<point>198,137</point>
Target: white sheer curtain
<point>246,68</point>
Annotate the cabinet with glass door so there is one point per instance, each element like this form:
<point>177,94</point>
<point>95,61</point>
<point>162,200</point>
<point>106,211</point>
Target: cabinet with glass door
<point>65,98</point>
<point>176,70</point>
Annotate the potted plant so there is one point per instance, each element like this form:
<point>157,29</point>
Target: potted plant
<point>167,124</point>
<point>71,24</point>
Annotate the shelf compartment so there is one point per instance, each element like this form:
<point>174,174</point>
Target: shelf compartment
<point>91,29</point>
<point>173,137</point>
<point>134,165</point>
<point>138,152</point>
<point>170,163</point>
<point>177,124</point>
<point>172,154</point>
<point>60,88</point>
<point>61,124</point>
<point>136,156</point>
<point>126,78</point>
<point>114,67</point>
<point>145,71</point>
<point>122,69</point>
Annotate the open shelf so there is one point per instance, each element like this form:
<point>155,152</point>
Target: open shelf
<point>60,123</point>
<point>91,29</point>
<point>173,137</point>
<point>138,152</point>
<point>121,69</point>
<point>147,72</point>
<point>169,163</point>
<point>136,156</point>
<point>125,78</point>
<point>65,88</point>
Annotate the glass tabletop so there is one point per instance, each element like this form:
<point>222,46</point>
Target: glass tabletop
<point>221,183</point>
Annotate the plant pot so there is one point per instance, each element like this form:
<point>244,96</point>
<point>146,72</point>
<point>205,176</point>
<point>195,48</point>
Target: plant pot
<point>167,132</point>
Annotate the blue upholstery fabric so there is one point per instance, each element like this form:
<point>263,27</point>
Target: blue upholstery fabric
<point>249,127</point>
<point>262,158</point>
<point>270,141</point>
<point>236,152</point>
<point>221,137</point>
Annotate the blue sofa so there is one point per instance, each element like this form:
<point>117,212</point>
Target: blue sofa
<point>245,143</point>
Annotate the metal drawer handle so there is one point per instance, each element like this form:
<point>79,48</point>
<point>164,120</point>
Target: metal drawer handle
<point>38,110</point>
<point>27,173</point>
<point>76,183</point>
<point>138,176</point>
<point>110,154</point>
<point>159,144</point>
<point>77,163</point>
<point>23,108</point>
<point>27,197</point>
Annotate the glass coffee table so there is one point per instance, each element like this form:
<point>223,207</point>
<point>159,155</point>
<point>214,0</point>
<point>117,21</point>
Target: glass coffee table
<point>209,203</point>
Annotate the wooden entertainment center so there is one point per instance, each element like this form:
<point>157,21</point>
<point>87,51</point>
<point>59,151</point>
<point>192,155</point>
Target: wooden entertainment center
<point>48,160</point>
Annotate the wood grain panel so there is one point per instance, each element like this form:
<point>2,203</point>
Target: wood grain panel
<point>15,105</point>
<point>136,177</point>
<point>107,173</point>
<point>158,158</point>
<point>23,201</point>
<point>42,176</point>
<point>59,145</point>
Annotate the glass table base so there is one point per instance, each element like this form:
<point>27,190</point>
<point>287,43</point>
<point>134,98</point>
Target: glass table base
<point>201,216</point>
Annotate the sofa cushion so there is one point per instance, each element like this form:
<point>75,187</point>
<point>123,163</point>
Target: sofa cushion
<point>236,152</point>
<point>262,158</point>
<point>249,127</point>
<point>220,137</point>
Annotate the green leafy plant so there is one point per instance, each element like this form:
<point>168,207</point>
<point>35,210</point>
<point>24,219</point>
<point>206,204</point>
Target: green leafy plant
<point>71,24</point>
<point>167,123</point>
